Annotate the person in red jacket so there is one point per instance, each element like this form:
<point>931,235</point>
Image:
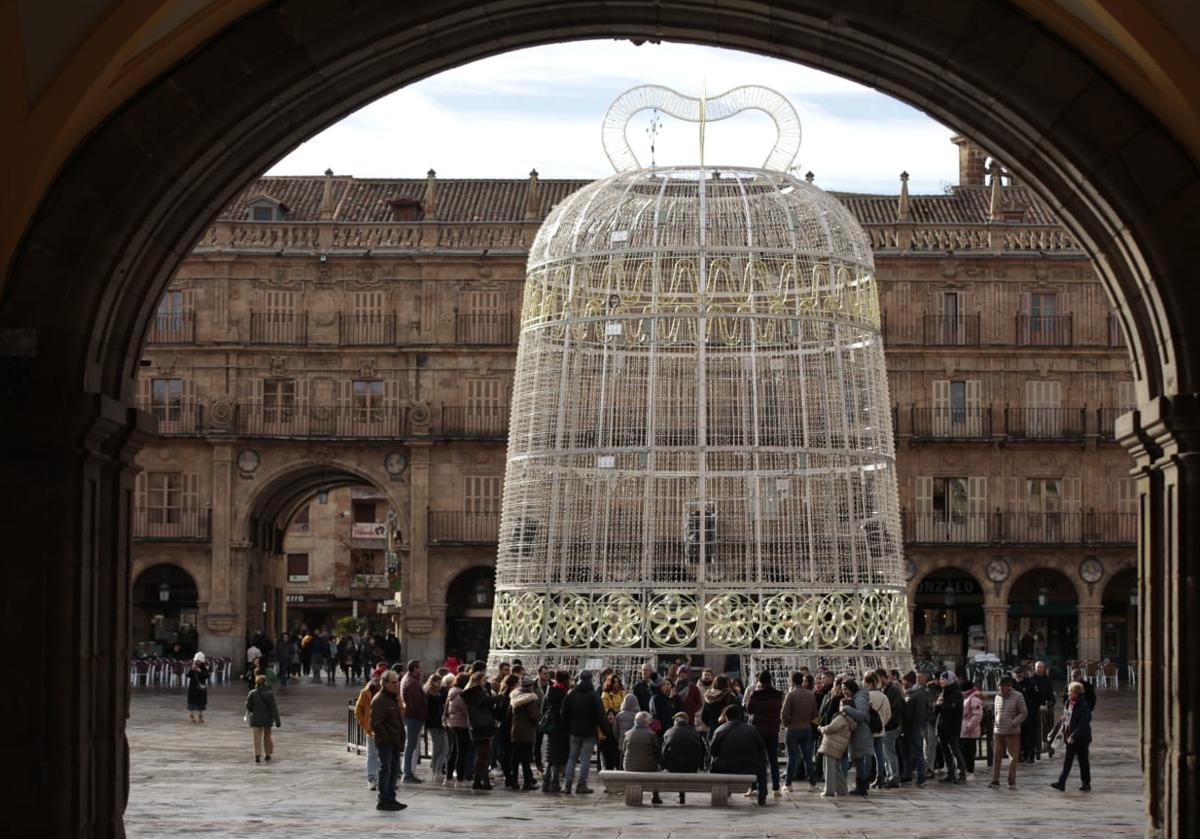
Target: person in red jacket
<point>416,709</point>
<point>689,697</point>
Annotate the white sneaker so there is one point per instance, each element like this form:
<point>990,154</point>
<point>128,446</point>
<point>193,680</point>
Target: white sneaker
<point>749,794</point>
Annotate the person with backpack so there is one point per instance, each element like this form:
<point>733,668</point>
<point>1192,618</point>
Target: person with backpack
<point>583,716</point>
<point>862,741</point>
<point>556,738</point>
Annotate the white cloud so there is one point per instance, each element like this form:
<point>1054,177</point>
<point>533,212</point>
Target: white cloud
<point>542,107</point>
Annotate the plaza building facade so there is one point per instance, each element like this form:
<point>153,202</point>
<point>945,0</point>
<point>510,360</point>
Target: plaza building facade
<point>329,334</point>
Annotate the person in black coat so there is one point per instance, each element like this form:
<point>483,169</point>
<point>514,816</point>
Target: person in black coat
<point>738,749</point>
<point>949,709</point>
<point>663,708</point>
<point>583,714</point>
<point>683,748</point>
<point>197,688</point>
<point>481,706</point>
<point>1077,734</point>
<point>556,738</point>
<point>1031,728</point>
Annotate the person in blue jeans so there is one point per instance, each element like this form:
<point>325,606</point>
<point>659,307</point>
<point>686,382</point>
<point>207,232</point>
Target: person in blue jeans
<point>388,726</point>
<point>798,712</point>
<point>416,709</point>
<point>582,713</point>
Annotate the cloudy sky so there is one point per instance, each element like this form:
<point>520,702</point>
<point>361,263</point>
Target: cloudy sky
<point>542,108</point>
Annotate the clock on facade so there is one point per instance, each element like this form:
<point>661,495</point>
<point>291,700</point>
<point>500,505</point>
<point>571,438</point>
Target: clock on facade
<point>997,570</point>
<point>247,460</point>
<point>394,463</point>
<point>1091,569</point>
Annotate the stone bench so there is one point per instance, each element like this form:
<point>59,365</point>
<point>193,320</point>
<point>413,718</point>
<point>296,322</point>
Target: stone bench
<point>635,784</point>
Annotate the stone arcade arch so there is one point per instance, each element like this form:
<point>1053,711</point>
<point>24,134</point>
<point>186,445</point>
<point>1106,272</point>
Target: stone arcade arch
<point>944,603</point>
<point>165,610</point>
<point>135,194</point>
<point>1044,617</point>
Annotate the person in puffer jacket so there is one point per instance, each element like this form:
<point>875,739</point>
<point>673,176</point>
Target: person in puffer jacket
<point>458,732</point>
<point>525,709</point>
<point>971,723</point>
<point>623,722</point>
<point>835,742</point>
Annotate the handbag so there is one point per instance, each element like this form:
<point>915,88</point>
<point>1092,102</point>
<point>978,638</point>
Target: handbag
<point>655,726</point>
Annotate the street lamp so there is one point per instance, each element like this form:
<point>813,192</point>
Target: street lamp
<point>164,593</point>
<point>481,593</point>
<point>1133,597</point>
<point>1043,596</point>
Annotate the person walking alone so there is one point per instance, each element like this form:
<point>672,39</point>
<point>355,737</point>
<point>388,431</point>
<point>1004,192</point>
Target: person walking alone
<point>1010,714</point>
<point>387,721</point>
<point>261,714</point>
<point>1077,734</point>
<point>197,688</point>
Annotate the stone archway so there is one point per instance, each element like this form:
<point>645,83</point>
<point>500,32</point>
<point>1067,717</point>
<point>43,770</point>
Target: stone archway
<point>469,599</point>
<point>946,602</point>
<point>1044,618</point>
<point>109,234</point>
<point>165,606</point>
<point>1119,620</point>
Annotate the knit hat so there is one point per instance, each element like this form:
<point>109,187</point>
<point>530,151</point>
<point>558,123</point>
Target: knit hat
<point>949,677</point>
<point>198,658</point>
<point>379,670</point>
<point>585,676</point>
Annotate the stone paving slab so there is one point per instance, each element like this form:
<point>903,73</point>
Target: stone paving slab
<point>201,780</point>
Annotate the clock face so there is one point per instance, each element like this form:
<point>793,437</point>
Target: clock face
<point>394,463</point>
<point>247,460</point>
<point>997,570</point>
<point>1091,570</point>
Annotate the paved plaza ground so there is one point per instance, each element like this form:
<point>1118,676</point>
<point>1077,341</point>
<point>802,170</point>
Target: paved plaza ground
<point>193,780</point>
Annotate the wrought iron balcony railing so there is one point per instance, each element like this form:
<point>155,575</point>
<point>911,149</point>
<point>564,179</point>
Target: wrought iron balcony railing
<point>1000,527</point>
<point>172,524</point>
<point>462,527</point>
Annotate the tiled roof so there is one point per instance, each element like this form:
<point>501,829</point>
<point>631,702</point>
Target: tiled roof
<point>503,200</point>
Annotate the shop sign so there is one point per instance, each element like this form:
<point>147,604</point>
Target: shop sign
<point>369,530</point>
<point>309,598</point>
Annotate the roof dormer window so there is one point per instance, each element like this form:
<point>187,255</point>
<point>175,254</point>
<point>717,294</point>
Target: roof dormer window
<point>266,208</point>
<point>406,209</point>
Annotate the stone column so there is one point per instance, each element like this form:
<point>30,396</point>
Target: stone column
<point>222,618</point>
<point>1164,438</point>
<point>995,626</point>
<point>418,620</point>
<point>66,461</point>
<point>1089,630</point>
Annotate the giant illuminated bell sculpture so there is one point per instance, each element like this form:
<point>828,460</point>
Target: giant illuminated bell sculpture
<point>700,457</point>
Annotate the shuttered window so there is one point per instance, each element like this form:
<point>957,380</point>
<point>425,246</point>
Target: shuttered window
<point>297,568</point>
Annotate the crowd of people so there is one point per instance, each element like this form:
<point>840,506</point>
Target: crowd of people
<point>318,655</point>
<point>885,729</point>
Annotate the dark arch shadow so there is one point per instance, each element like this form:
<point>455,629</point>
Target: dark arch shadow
<point>125,209</point>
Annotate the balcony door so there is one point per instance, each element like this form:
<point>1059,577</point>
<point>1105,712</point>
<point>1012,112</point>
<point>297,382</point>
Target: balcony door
<point>952,327</point>
<point>957,410</point>
<point>368,325</point>
<point>280,323</point>
<point>1043,409</point>
<point>951,509</point>
<point>485,413</point>
<point>1051,510</point>
<point>481,507</point>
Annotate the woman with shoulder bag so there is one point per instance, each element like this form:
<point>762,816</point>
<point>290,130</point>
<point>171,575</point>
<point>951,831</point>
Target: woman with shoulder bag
<point>480,706</point>
<point>261,713</point>
<point>197,688</point>
<point>1077,734</point>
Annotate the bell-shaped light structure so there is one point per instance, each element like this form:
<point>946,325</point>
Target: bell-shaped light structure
<point>700,455</point>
